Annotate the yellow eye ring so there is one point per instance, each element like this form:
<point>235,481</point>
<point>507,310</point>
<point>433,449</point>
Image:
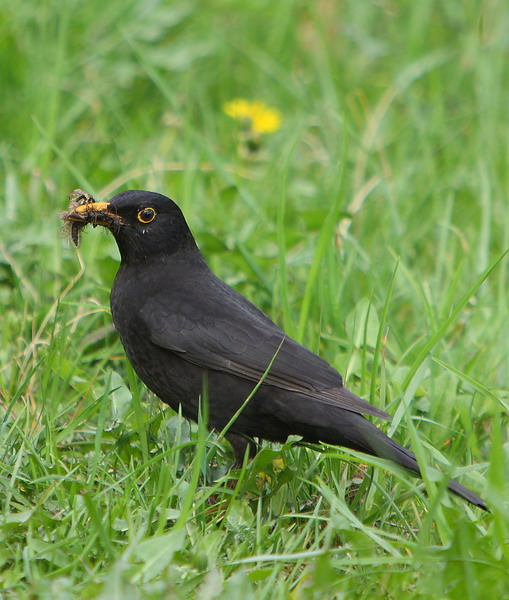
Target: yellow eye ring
<point>146,215</point>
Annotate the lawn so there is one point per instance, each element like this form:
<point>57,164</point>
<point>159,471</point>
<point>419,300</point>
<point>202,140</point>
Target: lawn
<point>366,211</point>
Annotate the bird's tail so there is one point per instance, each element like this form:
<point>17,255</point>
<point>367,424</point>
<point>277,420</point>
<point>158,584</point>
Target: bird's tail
<point>354,431</point>
<point>384,447</point>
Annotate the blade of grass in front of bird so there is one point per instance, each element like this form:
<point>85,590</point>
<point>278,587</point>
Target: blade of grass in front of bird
<point>226,428</point>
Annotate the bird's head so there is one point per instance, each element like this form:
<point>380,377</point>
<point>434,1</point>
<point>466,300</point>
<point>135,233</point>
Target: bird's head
<point>144,224</point>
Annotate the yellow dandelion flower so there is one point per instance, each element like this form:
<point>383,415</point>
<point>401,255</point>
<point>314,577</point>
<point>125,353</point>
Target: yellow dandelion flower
<point>261,117</point>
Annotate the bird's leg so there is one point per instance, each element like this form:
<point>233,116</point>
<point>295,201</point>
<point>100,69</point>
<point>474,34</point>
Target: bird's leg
<point>240,445</point>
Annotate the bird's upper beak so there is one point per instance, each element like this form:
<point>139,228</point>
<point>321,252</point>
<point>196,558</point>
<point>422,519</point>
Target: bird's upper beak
<point>95,213</point>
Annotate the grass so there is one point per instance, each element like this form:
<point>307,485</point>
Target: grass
<point>372,226</point>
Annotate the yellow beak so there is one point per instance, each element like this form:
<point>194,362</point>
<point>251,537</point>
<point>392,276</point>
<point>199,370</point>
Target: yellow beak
<point>96,213</point>
<point>90,207</point>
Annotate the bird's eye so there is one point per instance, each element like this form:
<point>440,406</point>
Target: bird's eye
<point>146,215</point>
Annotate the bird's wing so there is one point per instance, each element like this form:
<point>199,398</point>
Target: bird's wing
<point>244,342</point>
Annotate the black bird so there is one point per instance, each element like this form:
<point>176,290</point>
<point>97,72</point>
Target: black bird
<point>179,324</point>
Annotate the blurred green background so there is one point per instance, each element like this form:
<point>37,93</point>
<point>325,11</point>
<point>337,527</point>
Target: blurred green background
<point>370,223</point>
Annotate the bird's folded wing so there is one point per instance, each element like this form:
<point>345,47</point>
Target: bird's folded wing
<point>246,348</point>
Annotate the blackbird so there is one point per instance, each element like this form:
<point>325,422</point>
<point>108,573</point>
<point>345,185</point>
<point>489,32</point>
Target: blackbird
<point>183,328</point>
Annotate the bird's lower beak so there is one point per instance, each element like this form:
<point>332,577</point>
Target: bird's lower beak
<point>95,213</point>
